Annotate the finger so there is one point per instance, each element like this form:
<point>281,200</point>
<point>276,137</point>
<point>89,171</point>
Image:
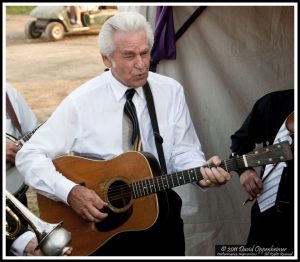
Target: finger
<point>96,214</point>
<point>208,174</point>
<point>205,183</point>
<point>99,203</point>
<point>255,185</point>
<point>215,160</point>
<point>66,251</point>
<point>220,175</point>
<point>259,184</point>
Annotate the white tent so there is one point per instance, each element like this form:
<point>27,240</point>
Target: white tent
<point>227,59</point>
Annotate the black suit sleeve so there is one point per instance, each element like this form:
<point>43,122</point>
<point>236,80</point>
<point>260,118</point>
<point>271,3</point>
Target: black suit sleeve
<point>263,122</point>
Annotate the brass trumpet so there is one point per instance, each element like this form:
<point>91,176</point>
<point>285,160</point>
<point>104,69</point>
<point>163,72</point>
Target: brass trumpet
<point>52,238</point>
<point>12,232</point>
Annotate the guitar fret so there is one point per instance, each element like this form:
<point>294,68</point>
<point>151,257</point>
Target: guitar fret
<point>183,177</point>
<point>170,182</point>
<point>166,180</point>
<point>157,184</point>
<point>177,179</point>
<point>152,186</point>
<point>145,188</point>
<point>142,188</point>
<point>192,178</point>
<point>148,186</point>
<point>175,175</point>
<point>180,179</point>
<point>161,182</point>
<point>171,176</point>
<point>225,165</point>
<point>133,189</point>
<point>186,177</point>
<point>139,189</point>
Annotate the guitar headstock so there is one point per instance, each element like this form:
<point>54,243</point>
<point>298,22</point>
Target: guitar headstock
<point>279,152</point>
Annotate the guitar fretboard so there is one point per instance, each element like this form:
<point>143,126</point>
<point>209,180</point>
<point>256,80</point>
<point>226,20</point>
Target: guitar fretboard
<point>271,154</point>
<point>157,184</point>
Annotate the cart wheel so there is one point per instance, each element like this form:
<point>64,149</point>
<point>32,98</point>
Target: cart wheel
<point>30,30</point>
<point>55,31</point>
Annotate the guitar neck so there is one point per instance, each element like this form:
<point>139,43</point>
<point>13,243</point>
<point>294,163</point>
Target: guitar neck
<point>272,154</point>
<point>159,183</point>
<point>163,182</point>
<point>26,137</point>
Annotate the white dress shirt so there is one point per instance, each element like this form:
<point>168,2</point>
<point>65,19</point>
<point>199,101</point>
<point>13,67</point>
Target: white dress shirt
<point>89,120</point>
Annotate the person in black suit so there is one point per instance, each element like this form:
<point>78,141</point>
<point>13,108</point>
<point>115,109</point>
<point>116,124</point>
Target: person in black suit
<point>273,227</point>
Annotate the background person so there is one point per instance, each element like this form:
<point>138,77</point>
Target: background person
<point>273,224</point>
<point>20,120</point>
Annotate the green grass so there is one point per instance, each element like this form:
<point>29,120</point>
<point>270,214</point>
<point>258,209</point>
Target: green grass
<point>14,10</point>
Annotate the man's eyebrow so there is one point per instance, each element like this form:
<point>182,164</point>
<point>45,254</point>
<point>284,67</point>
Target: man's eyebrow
<point>125,52</point>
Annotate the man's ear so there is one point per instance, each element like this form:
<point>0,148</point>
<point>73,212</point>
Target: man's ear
<point>106,61</point>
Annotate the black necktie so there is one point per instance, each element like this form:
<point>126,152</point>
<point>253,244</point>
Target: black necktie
<point>130,111</point>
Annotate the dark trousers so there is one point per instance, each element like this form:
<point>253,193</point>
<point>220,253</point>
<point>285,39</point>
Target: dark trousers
<point>165,238</point>
<point>274,227</point>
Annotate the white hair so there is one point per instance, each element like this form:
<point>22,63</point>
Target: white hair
<point>126,22</point>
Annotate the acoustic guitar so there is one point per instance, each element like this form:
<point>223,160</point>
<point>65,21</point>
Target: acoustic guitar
<point>130,183</point>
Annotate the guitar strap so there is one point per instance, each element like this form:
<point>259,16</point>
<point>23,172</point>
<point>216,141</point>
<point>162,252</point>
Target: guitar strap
<point>12,114</point>
<point>157,138</point>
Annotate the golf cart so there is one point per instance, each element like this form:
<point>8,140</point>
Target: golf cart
<point>55,21</point>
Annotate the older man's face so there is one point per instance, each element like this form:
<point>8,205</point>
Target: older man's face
<point>131,59</point>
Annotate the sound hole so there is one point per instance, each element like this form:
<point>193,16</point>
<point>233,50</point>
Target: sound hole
<point>119,195</point>
<point>119,208</point>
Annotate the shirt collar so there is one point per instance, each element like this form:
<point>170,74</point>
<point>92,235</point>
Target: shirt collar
<point>119,89</point>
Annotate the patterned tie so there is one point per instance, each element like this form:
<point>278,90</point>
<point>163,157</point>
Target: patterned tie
<point>272,175</point>
<point>130,111</point>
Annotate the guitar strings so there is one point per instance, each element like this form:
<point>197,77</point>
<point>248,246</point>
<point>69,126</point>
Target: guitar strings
<point>115,192</point>
<point>138,187</point>
<point>119,192</point>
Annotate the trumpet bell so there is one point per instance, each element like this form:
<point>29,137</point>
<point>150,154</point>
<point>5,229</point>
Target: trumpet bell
<point>54,242</point>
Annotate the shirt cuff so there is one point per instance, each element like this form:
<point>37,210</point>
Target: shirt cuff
<point>63,188</point>
<point>19,245</point>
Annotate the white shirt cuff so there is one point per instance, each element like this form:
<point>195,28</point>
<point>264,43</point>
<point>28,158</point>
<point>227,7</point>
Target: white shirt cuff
<point>18,246</point>
<point>63,188</point>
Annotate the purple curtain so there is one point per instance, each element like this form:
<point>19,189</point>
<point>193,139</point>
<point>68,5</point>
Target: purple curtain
<point>164,46</point>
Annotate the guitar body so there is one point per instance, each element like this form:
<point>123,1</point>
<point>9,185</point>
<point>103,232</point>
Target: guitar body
<point>125,214</point>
